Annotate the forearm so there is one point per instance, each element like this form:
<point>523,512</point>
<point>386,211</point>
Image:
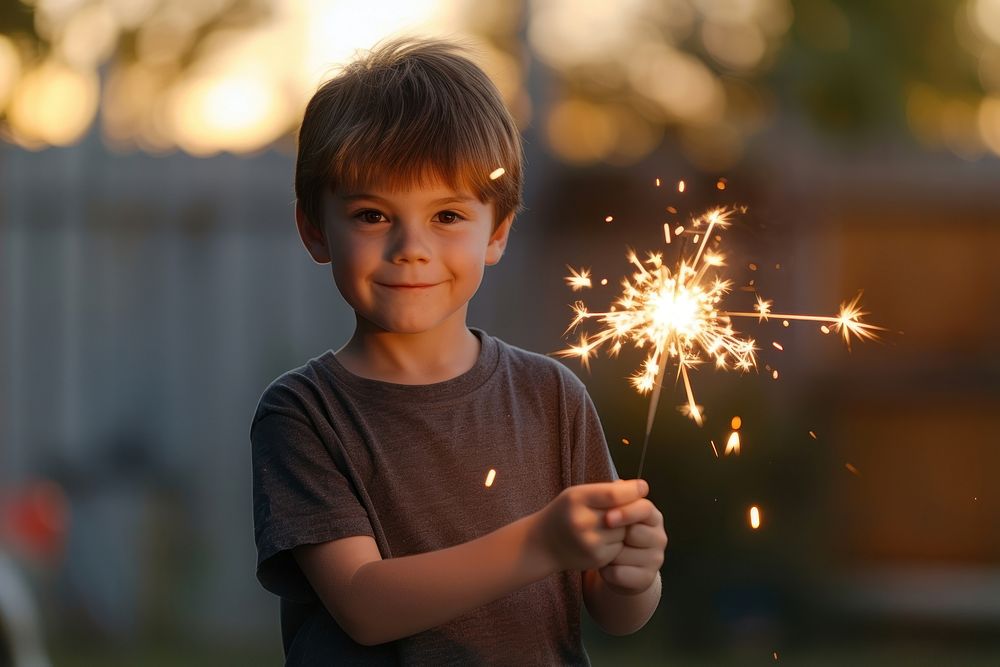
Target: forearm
<point>398,597</point>
<point>618,613</point>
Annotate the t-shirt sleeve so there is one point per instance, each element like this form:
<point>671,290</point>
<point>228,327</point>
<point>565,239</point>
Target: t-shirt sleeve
<point>300,496</point>
<point>591,458</point>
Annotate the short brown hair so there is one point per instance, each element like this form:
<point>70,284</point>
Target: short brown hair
<point>405,113</point>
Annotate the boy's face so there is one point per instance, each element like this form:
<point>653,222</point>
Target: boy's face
<point>406,261</point>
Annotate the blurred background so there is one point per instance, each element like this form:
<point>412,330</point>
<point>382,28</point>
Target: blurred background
<point>152,284</point>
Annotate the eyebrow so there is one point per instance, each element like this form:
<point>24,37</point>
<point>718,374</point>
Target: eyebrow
<point>459,199</point>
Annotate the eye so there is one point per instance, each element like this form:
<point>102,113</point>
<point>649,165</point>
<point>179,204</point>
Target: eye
<point>370,216</point>
<point>448,217</point>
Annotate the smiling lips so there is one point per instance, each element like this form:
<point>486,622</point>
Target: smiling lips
<point>408,286</point>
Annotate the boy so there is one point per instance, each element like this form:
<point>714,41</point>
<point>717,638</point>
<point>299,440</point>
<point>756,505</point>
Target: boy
<point>429,494</point>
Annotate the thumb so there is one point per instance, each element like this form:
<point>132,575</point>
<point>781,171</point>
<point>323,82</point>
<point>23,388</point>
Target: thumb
<point>613,494</point>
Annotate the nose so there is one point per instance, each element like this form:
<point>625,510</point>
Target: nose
<point>408,244</point>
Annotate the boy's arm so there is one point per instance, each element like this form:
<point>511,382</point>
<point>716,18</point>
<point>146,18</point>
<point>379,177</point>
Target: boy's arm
<point>623,594</point>
<point>377,600</point>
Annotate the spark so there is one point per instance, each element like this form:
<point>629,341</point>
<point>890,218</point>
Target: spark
<point>812,434</point>
<point>851,469</point>
<point>733,444</point>
<point>736,423</point>
<point>712,442</point>
<point>497,173</point>
<point>675,311</point>
<point>490,476</point>
<point>578,280</point>
<point>609,218</point>
<point>754,517</point>
<point>657,182</point>
<point>680,186</point>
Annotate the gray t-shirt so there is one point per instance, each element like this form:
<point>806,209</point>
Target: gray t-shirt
<point>336,455</point>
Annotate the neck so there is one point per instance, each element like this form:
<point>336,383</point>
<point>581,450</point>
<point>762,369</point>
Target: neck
<point>427,357</point>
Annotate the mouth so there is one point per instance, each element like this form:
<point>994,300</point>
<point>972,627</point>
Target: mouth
<point>407,286</point>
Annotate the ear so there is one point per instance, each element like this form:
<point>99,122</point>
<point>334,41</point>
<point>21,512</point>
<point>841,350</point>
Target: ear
<point>498,241</point>
<point>312,236</point>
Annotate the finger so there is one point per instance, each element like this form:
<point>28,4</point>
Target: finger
<point>648,558</point>
<point>628,577</point>
<point>613,494</point>
<point>633,512</point>
<point>613,535</point>
<point>643,536</point>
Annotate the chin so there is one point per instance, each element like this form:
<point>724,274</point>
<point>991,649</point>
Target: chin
<point>407,326</point>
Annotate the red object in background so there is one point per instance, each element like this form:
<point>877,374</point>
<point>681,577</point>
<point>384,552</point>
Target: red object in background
<point>34,520</point>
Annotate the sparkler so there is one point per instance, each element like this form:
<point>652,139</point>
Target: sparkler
<point>676,312</point>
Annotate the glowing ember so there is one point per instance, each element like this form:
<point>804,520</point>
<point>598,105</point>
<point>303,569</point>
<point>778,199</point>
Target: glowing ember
<point>676,312</point>
<point>625,441</point>
<point>497,173</point>
<point>712,442</point>
<point>736,423</point>
<point>774,374</point>
<point>733,444</point>
<point>851,469</point>
<point>754,517</point>
<point>666,232</point>
<point>610,218</point>
<point>812,435</point>
<point>604,281</point>
<point>680,186</point>
<point>490,476</point>
<point>721,184</point>
<point>657,182</point>
<point>777,345</point>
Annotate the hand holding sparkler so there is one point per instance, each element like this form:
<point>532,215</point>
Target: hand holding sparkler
<point>635,567</point>
<point>575,531</point>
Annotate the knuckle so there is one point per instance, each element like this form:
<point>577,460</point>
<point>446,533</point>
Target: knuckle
<point>579,518</point>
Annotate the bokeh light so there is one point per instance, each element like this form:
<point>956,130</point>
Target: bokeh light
<point>53,104</point>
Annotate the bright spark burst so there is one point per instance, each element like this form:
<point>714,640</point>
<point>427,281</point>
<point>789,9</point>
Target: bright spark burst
<point>578,280</point>
<point>676,313</point>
